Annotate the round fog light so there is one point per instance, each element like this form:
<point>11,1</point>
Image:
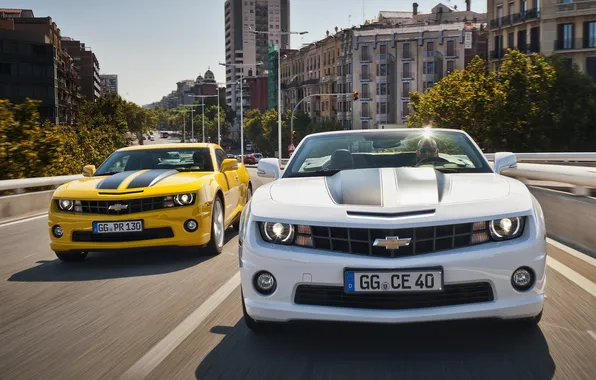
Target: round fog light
<point>191,225</point>
<point>522,278</point>
<point>57,231</point>
<point>265,283</point>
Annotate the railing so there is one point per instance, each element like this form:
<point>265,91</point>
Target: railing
<point>575,43</point>
<point>577,5</point>
<point>27,183</point>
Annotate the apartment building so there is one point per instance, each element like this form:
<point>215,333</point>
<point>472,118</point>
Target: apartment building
<point>108,84</point>
<point>565,27</point>
<point>87,66</point>
<point>243,47</point>
<point>319,73</point>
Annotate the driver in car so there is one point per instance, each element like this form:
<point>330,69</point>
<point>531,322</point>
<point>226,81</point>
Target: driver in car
<point>427,148</point>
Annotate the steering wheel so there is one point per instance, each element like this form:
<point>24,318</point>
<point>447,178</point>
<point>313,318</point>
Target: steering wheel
<point>433,161</point>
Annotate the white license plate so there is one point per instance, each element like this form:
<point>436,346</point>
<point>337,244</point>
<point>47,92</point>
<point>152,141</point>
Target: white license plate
<point>117,227</point>
<point>406,280</point>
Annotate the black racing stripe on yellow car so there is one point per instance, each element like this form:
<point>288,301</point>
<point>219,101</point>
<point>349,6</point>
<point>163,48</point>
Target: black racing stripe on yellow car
<point>113,181</point>
<point>150,178</point>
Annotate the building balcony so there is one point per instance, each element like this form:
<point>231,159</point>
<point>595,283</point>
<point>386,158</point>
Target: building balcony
<point>530,14</point>
<point>575,43</point>
<point>311,81</point>
<point>500,22</point>
<point>579,6</point>
<point>433,55</point>
<point>385,58</point>
<point>434,77</point>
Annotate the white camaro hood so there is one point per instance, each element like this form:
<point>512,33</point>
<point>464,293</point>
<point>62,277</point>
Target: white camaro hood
<point>379,194</point>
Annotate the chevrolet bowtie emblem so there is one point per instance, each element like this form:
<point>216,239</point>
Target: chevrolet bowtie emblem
<point>392,242</point>
<point>118,207</point>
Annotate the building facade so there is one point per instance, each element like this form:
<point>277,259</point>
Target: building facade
<point>565,27</point>
<point>108,84</point>
<point>34,65</point>
<point>87,66</point>
<point>246,48</point>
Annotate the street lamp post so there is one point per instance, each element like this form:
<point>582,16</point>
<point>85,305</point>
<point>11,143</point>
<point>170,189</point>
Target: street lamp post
<point>184,125</point>
<point>242,65</point>
<point>203,106</point>
<point>279,147</point>
<point>192,120</point>
<point>218,121</point>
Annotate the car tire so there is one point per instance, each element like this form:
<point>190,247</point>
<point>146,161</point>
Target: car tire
<point>71,256</point>
<point>254,326</point>
<point>217,238</point>
<point>236,224</point>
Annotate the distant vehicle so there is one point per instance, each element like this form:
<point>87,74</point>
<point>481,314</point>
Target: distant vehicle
<point>258,156</point>
<point>250,159</point>
<point>164,135</point>
<point>152,138</point>
<point>231,156</point>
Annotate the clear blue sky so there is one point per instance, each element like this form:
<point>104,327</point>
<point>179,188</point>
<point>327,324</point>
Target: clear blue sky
<point>152,44</point>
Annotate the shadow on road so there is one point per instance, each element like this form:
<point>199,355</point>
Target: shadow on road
<point>117,264</point>
<point>454,350</point>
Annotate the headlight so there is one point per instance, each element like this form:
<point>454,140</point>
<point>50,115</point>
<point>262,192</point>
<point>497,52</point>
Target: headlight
<point>65,204</point>
<point>276,232</point>
<point>184,199</point>
<point>506,228</point>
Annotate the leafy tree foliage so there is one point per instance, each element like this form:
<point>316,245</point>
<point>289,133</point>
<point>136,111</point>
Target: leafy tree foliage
<point>531,104</point>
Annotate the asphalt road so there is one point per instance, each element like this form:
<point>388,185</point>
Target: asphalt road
<point>104,317</point>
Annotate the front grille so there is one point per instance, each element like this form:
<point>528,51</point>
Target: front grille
<point>132,206</point>
<point>455,294</point>
<point>359,241</point>
<point>148,234</point>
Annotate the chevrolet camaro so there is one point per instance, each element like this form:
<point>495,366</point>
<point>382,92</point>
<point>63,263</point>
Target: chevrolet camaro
<point>391,226</point>
<point>177,195</point>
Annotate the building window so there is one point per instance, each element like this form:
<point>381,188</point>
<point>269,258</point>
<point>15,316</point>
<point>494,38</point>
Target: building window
<point>382,70</point>
<point>522,41</point>
<point>405,109</point>
<point>364,53</point>
<point>365,124</point>
<point>365,112</point>
<point>451,48</point>
<point>365,92</point>
<point>590,34</point>
<point>500,15</point>
<point>382,108</point>
<point>450,66</point>
<point>430,46</point>
<point>364,72</point>
<point>427,85</point>
<point>406,51</point>
<point>406,70</point>
<point>429,68</point>
<point>383,89</point>
<point>405,89</point>
<point>511,9</point>
<point>511,40</point>
<point>523,6</point>
<point>383,49</point>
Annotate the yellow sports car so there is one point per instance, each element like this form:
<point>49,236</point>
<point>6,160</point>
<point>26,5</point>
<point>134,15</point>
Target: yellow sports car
<point>150,196</point>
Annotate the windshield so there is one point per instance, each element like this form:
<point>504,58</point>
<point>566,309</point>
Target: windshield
<point>449,152</point>
<point>184,159</point>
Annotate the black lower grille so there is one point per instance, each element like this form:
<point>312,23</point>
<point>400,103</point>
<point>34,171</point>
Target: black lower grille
<point>360,241</point>
<point>148,234</point>
<point>455,294</point>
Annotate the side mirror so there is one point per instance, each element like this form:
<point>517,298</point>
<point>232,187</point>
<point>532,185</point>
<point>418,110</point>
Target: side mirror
<point>269,168</point>
<point>228,164</point>
<point>88,170</point>
<point>504,161</point>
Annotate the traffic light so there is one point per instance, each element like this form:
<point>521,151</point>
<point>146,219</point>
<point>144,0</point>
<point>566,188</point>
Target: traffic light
<point>355,95</point>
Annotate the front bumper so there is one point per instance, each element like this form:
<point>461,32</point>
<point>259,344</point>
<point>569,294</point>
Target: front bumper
<point>173,219</point>
<point>491,263</point>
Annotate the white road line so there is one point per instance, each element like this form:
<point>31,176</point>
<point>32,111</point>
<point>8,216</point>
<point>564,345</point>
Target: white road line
<point>24,220</point>
<point>166,346</point>
<point>592,334</point>
<point>572,275</point>
<point>582,256</point>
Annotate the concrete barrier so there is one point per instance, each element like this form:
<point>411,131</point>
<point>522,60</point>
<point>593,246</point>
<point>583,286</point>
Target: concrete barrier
<point>570,218</point>
<point>23,205</point>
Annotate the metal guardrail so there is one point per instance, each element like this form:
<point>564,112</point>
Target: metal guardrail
<point>27,183</point>
<point>583,178</point>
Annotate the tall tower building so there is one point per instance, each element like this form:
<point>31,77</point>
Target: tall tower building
<point>244,47</point>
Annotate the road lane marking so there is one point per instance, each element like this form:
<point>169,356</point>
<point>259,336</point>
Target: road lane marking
<point>572,275</point>
<point>582,256</point>
<point>45,214</point>
<point>592,334</point>
<point>167,345</point>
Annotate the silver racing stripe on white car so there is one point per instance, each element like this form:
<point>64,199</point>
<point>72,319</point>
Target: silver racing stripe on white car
<point>388,187</point>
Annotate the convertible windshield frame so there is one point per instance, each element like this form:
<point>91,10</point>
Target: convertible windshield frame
<point>169,156</point>
<point>395,144</point>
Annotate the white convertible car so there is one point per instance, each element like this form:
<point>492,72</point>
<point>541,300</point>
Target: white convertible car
<point>391,226</point>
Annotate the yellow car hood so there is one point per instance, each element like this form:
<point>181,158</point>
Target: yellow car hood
<point>135,183</point>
